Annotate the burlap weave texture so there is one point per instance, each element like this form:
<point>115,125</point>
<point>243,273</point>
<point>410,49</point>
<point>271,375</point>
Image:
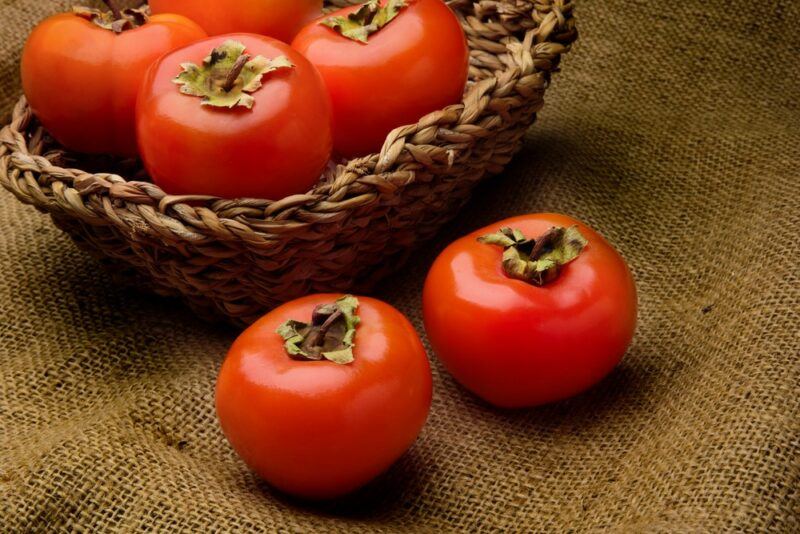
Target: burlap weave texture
<point>674,130</point>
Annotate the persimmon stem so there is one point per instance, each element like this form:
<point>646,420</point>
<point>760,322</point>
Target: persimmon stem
<point>329,335</point>
<point>235,71</point>
<point>370,18</point>
<point>317,337</point>
<point>115,10</point>
<point>537,261</point>
<point>323,330</point>
<point>545,241</point>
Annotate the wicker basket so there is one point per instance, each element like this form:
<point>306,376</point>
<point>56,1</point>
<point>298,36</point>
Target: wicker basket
<point>238,258</point>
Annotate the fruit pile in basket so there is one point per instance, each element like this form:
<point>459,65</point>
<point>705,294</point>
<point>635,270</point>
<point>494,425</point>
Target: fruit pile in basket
<point>241,114</point>
<point>323,393</point>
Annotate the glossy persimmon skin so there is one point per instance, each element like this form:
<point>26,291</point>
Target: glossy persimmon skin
<point>81,80</point>
<point>517,345</point>
<point>416,64</point>
<point>278,148</point>
<point>319,430</point>
<point>280,19</point>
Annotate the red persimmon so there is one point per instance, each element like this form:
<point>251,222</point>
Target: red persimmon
<point>280,19</point>
<point>386,65</point>
<point>234,116</point>
<point>324,393</point>
<point>81,73</point>
<point>521,321</point>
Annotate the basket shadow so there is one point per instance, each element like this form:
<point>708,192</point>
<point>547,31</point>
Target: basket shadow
<point>518,188</point>
<point>554,155</point>
<point>107,314</point>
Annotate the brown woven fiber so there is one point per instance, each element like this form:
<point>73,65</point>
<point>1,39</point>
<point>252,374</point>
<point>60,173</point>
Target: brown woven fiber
<point>674,129</point>
<point>239,258</point>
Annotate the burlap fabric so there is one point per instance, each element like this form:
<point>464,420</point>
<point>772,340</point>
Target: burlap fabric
<point>674,130</point>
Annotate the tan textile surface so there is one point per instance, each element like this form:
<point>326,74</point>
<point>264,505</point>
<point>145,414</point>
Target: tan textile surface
<point>674,130</point>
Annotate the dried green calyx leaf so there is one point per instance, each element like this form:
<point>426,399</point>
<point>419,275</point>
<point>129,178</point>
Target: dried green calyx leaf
<point>368,19</point>
<point>228,76</point>
<point>537,261</point>
<point>329,336</point>
<point>115,20</point>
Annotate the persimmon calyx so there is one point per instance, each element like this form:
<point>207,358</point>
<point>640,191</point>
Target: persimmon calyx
<point>115,19</point>
<point>368,19</point>
<point>329,336</point>
<point>228,76</point>
<point>537,261</point>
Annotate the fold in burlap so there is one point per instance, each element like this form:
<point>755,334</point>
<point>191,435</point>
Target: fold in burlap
<point>674,130</point>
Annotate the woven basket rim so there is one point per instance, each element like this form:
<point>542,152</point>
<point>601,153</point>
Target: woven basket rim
<point>546,28</point>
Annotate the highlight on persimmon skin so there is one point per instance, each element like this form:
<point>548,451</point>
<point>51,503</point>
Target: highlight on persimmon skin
<point>318,416</point>
<point>523,315</point>
<point>415,64</point>
<point>280,19</point>
<point>81,79</point>
<point>269,140</point>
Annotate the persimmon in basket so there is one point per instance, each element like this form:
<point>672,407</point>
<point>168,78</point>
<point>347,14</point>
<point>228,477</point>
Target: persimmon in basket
<point>280,19</point>
<point>81,72</point>
<point>234,116</point>
<point>386,64</point>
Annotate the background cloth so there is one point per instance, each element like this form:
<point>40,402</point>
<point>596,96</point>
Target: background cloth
<point>674,130</point>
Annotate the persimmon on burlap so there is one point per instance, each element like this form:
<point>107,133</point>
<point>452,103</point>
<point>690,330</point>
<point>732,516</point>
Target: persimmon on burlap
<point>674,130</point>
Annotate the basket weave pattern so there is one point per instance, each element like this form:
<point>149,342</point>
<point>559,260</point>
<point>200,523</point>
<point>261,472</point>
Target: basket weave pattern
<point>238,258</point>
